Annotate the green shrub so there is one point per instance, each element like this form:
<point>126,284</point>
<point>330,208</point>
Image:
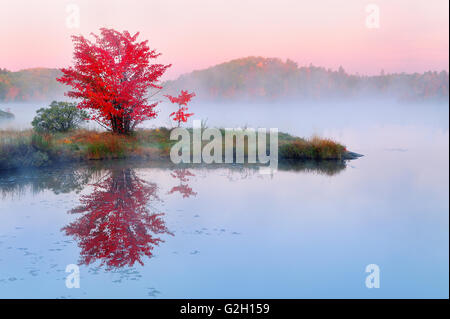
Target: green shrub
<point>59,117</point>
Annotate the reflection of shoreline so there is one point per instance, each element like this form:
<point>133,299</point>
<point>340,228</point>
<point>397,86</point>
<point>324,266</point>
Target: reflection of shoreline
<point>64,179</point>
<point>329,168</point>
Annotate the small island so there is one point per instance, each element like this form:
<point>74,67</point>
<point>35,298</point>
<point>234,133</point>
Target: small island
<point>29,148</point>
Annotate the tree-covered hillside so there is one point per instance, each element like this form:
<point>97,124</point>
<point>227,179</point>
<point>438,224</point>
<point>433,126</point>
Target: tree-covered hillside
<point>255,78</point>
<point>30,85</point>
<point>271,78</point>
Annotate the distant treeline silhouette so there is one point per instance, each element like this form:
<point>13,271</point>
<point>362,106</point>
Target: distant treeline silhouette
<point>37,84</point>
<point>255,78</point>
<point>273,79</point>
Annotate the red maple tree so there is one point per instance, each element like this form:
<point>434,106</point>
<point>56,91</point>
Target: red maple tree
<point>111,76</point>
<point>182,100</point>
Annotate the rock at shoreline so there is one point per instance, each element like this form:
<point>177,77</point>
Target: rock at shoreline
<point>6,115</point>
<point>351,155</point>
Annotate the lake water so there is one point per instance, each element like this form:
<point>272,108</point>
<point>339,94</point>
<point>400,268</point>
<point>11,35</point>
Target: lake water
<point>144,230</point>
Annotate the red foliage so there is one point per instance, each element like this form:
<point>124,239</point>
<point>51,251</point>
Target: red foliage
<point>183,176</point>
<point>112,76</point>
<point>183,189</point>
<point>12,93</point>
<point>117,226</point>
<point>182,100</point>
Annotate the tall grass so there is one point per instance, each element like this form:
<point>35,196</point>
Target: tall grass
<point>316,148</point>
<point>17,149</point>
<point>101,145</point>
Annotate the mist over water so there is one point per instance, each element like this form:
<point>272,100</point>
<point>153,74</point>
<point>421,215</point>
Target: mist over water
<point>23,114</point>
<point>361,125</point>
<point>311,231</point>
<point>368,126</point>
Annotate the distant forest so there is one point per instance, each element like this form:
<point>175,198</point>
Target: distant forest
<point>273,79</point>
<point>255,78</point>
<point>30,85</point>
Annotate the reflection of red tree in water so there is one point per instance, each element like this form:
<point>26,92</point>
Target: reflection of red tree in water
<point>183,175</point>
<point>117,225</point>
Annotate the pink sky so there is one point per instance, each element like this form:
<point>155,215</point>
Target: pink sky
<point>193,34</point>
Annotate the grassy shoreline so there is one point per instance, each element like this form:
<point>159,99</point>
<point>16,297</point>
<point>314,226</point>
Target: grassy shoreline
<point>28,149</point>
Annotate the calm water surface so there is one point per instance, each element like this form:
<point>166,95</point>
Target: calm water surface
<point>148,231</point>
